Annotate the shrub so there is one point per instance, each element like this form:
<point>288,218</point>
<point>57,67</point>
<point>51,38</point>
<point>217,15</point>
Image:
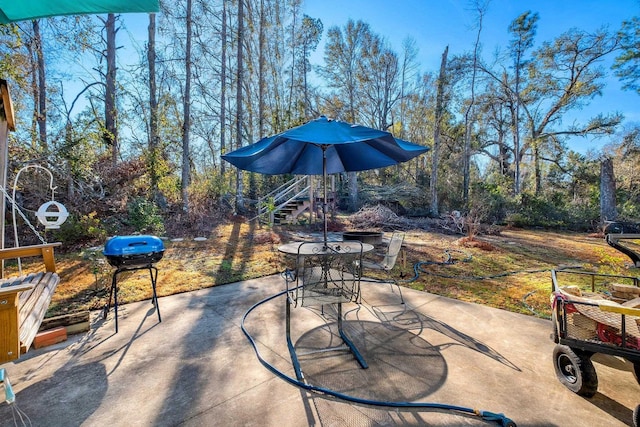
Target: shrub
<point>144,216</point>
<point>629,209</point>
<point>531,210</point>
<point>488,202</point>
<point>269,206</point>
<point>82,229</point>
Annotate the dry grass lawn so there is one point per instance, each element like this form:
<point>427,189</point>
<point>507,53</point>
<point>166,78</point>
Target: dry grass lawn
<point>496,270</point>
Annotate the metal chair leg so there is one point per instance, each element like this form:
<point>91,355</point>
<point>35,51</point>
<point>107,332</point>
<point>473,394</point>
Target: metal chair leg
<point>153,272</point>
<point>393,282</point>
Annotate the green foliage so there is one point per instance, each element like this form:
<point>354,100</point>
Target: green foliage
<point>517,219</point>
<point>144,216</point>
<point>533,210</point>
<point>169,186</point>
<point>98,264</point>
<point>553,210</point>
<point>627,63</point>
<point>488,202</point>
<point>205,193</point>
<point>81,229</point>
<point>78,152</point>
<point>269,206</point>
<point>630,210</point>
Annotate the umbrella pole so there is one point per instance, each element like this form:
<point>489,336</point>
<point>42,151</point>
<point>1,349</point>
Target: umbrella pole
<point>324,185</point>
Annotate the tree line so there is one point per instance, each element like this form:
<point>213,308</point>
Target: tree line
<point>144,127</point>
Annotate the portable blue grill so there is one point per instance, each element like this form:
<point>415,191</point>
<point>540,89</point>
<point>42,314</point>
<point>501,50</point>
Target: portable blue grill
<point>133,250</point>
<point>128,253</point>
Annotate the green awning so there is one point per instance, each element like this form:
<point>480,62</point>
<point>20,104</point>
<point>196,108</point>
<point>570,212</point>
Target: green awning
<point>22,10</point>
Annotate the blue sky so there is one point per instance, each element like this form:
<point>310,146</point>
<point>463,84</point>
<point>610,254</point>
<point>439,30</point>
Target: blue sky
<point>435,24</point>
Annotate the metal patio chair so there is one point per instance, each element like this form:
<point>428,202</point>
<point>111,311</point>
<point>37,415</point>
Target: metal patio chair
<point>388,261</point>
<point>324,274</point>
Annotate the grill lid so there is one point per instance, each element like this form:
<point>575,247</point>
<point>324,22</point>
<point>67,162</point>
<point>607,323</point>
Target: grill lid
<point>132,245</point>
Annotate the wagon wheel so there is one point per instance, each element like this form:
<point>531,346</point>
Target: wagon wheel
<point>575,370</point>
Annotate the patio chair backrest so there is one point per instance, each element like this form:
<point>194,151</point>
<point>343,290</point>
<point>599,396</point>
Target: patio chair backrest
<point>328,277</point>
<point>395,245</point>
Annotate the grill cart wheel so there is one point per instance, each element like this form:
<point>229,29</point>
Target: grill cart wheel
<point>636,416</point>
<point>575,370</point>
<point>636,371</point>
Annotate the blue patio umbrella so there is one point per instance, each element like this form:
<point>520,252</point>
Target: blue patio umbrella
<point>321,147</point>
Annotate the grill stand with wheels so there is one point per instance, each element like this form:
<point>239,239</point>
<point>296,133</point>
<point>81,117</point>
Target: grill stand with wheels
<point>113,294</point>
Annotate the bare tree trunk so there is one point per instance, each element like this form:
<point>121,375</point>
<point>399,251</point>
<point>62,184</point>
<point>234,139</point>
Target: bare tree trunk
<point>307,101</point>
<point>223,85</point>
<point>537,167</point>
<point>110,111</point>
<point>514,109</point>
<point>261,79</point>
<point>41,112</point>
<point>153,107</point>
<point>352,177</point>
<point>469,114</point>
<point>34,94</point>
<point>523,29</point>
<point>503,155</point>
<point>293,60</point>
<point>239,82</point>
<point>435,151</point>
<point>186,173</point>
<point>608,211</point>
<point>407,73</point>
<point>517,184</point>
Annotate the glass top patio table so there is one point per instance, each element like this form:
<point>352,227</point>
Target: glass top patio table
<point>325,273</point>
<point>319,248</point>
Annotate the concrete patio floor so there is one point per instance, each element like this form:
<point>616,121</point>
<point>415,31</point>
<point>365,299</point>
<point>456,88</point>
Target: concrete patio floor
<point>197,368</point>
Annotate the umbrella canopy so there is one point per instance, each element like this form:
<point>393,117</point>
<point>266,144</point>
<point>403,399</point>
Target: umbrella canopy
<point>13,11</point>
<point>347,148</point>
<point>322,147</point>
